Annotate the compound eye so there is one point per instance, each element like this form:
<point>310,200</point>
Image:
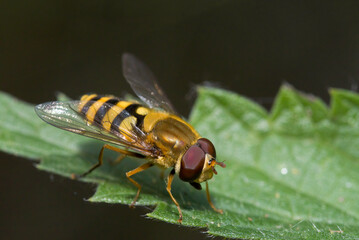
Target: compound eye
<point>207,146</point>
<point>192,163</point>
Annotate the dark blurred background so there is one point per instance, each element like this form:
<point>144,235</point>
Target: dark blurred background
<point>250,47</point>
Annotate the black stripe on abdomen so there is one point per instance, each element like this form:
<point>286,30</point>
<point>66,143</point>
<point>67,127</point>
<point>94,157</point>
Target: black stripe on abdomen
<point>118,119</point>
<point>132,110</point>
<point>127,112</point>
<point>89,103</point>
<point>101,112</point>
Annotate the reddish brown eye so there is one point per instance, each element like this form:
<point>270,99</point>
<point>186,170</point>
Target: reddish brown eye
<point>192,163</point>
<point>207,146</point>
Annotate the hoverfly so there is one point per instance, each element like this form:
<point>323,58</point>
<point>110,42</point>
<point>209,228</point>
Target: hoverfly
<point>154,132</point>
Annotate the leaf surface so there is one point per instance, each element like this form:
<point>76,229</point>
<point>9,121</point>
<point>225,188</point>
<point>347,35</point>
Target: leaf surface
<point>291,173</point>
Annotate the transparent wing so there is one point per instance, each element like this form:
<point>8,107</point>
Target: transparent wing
<point>65,115</point>
<point>144,84</point>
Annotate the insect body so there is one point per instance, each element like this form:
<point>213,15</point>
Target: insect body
<point>153,132</point>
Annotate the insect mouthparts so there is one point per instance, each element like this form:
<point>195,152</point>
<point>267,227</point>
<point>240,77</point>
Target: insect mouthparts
<point>214,170</point>
<point>221,164</point>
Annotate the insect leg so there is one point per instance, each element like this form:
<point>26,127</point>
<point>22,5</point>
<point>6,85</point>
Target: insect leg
<point>100,158</point>
<point>210,202</point>
<point>169,182</point>
<point>118,160</point>
<point>133,172</point>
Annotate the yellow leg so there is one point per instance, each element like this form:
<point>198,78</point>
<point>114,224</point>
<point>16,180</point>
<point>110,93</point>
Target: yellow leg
<point>118,160</point>
<point>169,183</point>
<point>133,172</point>
<point>210,202</point>
<point>100,158</point>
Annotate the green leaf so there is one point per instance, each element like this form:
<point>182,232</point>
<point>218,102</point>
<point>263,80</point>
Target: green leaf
<point>292,173</point>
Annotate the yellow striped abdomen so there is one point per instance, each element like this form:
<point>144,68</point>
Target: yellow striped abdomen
<point>113,114</point>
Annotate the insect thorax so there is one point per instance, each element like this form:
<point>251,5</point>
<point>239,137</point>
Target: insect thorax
<point>173,137</point>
